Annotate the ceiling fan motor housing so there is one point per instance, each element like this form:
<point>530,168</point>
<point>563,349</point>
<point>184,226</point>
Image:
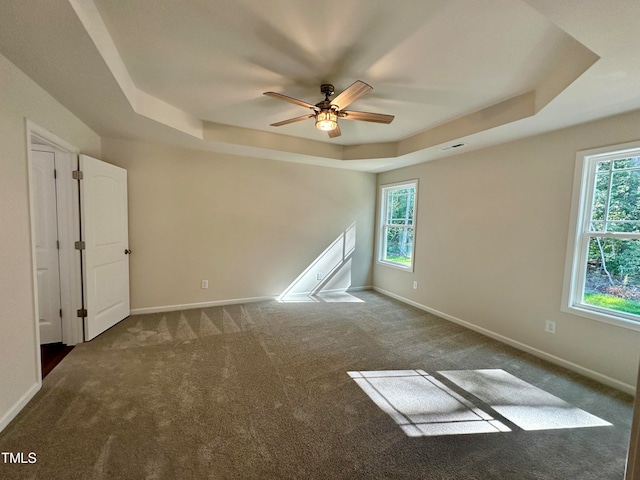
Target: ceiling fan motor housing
<point>327,89</point>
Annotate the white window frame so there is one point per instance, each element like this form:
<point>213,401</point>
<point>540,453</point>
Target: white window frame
<point>575,267</point>
<point>382,225</point>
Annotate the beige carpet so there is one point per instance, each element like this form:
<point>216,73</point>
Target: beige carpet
<point>263,391</point>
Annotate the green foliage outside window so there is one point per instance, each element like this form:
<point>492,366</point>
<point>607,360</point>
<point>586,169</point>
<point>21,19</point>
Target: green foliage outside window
<point>398,228</point>
<point>613,265</point>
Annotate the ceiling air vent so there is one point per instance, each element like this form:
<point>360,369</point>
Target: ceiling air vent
<point>451,147</point>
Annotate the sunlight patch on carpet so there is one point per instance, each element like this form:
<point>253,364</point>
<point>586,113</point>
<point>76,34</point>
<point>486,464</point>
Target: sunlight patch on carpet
<point>423,406</point>
<point>529,407</point>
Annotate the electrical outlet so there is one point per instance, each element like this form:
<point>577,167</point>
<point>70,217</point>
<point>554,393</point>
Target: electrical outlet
<point>319,276</point>
<point>204,284</point>
<point>415,285</point>
<point>550,326</point>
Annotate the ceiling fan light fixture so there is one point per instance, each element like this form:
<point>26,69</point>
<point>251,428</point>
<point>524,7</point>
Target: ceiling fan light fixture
<point>326,120</point>
<point>326,112</point>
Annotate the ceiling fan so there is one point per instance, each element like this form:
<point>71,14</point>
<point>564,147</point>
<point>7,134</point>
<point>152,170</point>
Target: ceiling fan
<point>327,112</point>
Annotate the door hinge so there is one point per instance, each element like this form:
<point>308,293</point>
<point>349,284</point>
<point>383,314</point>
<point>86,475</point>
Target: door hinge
<point>82,312</point>
<point>60,313</point>
<point>55,173</point>
<point>80,245</point>
<point>77,174</point>
<point>58,244</point>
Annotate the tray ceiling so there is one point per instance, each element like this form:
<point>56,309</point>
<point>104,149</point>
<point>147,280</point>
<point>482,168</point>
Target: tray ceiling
<point>193,72</point>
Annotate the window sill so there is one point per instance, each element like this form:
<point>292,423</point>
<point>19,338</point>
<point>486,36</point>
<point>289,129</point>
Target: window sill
<point>397,266</point>
<point>603,315</point>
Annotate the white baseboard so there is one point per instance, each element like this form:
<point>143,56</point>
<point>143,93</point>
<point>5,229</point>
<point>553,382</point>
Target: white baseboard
<point>360,289</point>
<point>19,405</point>
<point>587,372</point>
<point>235,301</point>
<point>186,306</point>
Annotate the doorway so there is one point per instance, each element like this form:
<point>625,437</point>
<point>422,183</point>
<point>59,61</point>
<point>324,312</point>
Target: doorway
<point>55,226</point>
<point>80,255</point>
<point>45,161</point>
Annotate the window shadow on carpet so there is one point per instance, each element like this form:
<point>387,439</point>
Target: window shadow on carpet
<point>424,406</point>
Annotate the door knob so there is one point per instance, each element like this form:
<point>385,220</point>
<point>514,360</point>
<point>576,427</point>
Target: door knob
<point>127,251</point>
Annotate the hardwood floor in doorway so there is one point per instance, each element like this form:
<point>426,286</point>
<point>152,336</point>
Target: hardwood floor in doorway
<point>51,355</point>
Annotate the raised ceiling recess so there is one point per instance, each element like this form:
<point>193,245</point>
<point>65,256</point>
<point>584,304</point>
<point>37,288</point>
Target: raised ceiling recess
<point>450,71</point>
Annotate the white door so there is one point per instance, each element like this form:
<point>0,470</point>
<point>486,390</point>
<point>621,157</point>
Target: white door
<point>46,246</point>
<point>103,199</point>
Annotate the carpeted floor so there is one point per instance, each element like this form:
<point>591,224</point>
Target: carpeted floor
<point>263,391</point>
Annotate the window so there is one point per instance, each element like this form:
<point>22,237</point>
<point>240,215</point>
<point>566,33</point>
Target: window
<point>397,224</point>
<point>604,277</point>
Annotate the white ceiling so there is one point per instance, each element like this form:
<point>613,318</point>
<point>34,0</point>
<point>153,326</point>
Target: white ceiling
<point>193,73</point>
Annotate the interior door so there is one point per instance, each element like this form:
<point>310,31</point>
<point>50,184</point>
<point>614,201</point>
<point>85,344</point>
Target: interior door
<point>46,246</point>
<point>103,199</point>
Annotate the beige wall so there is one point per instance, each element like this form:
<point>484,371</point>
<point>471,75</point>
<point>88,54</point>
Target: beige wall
<point>249,226</point>
<point>491,240</point>
<point>19,98</point>
<point>490,245</point>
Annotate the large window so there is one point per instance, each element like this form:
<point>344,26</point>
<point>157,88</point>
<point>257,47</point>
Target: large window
<point>397,224</point>
<point>605,269</point>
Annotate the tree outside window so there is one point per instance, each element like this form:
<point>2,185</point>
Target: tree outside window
<point>398,205</point>
<point>606,266</point>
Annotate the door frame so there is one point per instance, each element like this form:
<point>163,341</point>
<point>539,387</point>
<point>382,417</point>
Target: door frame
<point>68,232</point>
